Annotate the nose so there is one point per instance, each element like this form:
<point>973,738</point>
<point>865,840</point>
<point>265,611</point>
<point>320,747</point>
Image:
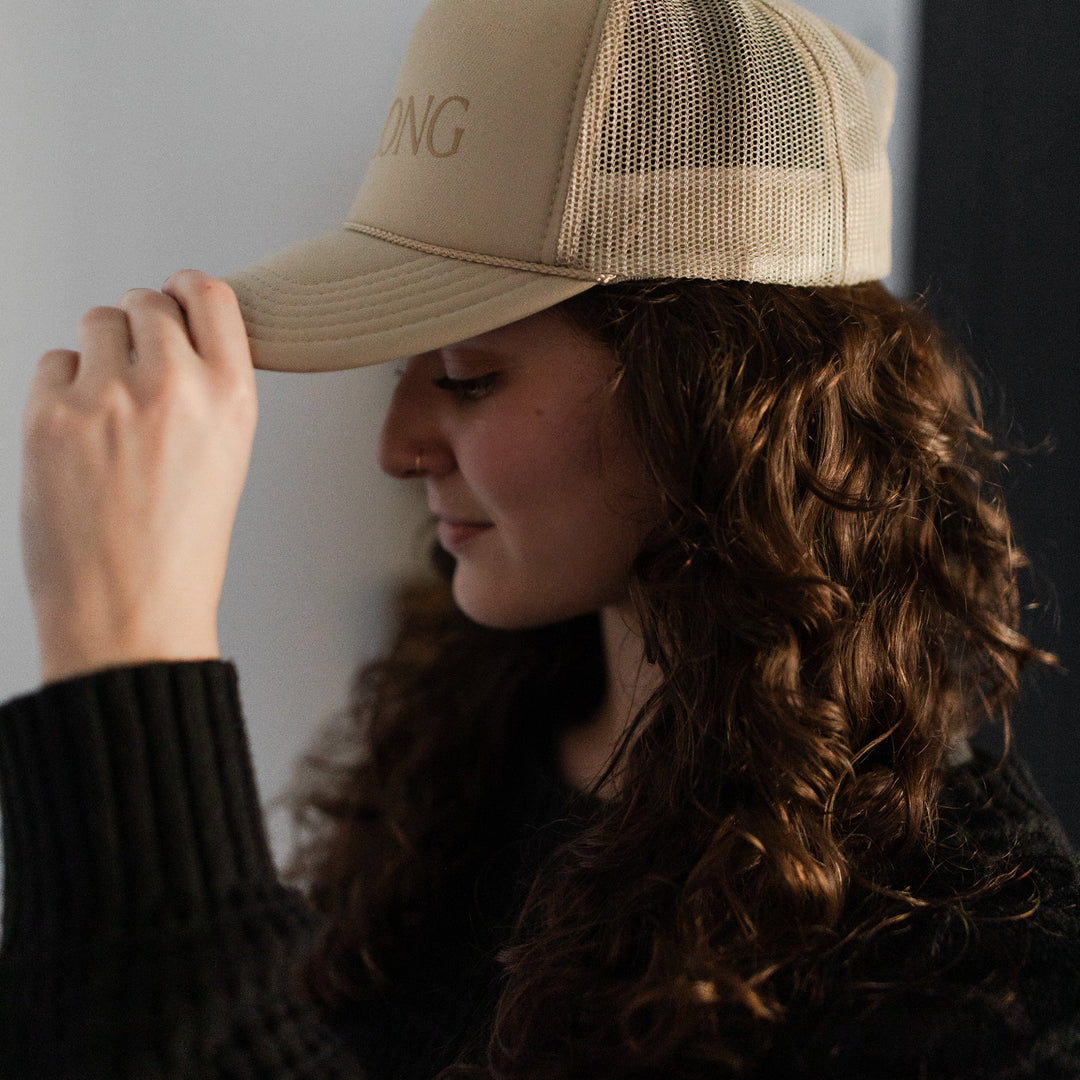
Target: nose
<point>412,443</point>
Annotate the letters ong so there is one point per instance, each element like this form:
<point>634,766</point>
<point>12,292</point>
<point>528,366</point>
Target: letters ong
<point>433,132</point>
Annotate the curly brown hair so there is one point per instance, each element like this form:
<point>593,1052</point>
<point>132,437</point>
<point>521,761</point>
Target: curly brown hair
<point>830,596</point>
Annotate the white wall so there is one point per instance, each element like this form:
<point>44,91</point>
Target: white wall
<point>137,138</point>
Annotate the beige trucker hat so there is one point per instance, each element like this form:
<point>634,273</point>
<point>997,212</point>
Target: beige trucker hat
<point>534,148</point>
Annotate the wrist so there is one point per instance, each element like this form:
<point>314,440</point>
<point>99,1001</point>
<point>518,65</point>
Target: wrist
<point>69,647</point>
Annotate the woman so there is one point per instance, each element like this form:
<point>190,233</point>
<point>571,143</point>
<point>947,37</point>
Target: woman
<point>666,775</point>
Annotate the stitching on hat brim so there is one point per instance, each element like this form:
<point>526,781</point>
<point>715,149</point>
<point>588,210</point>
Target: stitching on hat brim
<point>474,257</point>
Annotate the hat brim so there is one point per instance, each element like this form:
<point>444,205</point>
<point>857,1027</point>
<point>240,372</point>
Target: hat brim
<point>348,300</point>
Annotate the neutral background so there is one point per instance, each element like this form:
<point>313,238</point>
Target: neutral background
<point>139,138</point>
<point>997,252</point>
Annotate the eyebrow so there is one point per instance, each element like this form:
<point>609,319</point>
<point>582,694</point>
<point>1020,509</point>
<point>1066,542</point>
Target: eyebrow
<point>475,354</point>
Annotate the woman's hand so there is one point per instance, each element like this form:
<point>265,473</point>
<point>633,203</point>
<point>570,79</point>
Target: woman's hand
<point>136,449</point>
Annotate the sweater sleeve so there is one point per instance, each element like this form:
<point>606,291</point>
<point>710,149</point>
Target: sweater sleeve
<point>145,932</point>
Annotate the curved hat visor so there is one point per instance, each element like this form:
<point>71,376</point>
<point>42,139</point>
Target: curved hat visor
<point>348,299</point>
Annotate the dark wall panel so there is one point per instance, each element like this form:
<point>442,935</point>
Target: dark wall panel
<point>998,253</point>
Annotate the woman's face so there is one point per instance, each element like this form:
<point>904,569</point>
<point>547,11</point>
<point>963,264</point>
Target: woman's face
<point>538,493</point>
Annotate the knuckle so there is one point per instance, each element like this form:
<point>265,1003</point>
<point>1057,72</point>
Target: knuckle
<point>220,293</point>
<point>237,386</point>
<point>196,282</point>
<point>137,293</point>
<point>178,394</point>
<point>184,277</point>
<point>110,412</point>
<point>134,298</point>
<point>45,421</point>
<point>56,358</point>
<point>171,385</point>
<point>187,277</point>
<point>102,318</point>
<point>231,407</point>
<point>114,400</point>
<point>245,405</point>
<point>156,337</point>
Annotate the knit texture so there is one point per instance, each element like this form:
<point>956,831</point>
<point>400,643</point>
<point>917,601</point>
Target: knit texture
<point>146,935</point>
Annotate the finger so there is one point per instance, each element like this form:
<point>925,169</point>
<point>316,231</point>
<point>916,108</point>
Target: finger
<point>213,317</point>
<point>104,344</point>
<point>159,334</point>
<point>55,370</point>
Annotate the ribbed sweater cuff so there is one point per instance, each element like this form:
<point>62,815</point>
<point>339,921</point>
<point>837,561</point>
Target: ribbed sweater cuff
<point>128,799</point>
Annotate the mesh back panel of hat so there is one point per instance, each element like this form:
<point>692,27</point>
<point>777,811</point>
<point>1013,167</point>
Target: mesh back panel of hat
<point>731,139</point>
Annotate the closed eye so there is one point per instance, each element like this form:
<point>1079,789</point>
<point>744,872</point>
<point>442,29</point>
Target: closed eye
<point>473,389</point>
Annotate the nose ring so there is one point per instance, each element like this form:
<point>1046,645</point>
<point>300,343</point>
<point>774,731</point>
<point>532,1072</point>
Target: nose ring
<point>417,465</point>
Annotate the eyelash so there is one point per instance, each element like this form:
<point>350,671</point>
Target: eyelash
<point>468,390</point>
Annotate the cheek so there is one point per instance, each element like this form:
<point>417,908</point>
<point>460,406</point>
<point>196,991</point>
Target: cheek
<point>553,472</point>
<point>532,459</point>
<point>503,468</point>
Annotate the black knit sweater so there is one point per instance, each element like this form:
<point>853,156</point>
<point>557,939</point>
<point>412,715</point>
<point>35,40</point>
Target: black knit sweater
<point>146,935</point>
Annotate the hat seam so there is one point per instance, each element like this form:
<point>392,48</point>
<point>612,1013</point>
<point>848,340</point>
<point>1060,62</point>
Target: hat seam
<point>475,257</point>
<point>564,179</point>
<point>271,331</point>
<point>838,272</point>
<point>344,304</point>
<point>346,290</point>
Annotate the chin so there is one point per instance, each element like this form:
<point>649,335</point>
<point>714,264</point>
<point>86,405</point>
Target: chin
<point>524,609</point>
<point>502,616</point>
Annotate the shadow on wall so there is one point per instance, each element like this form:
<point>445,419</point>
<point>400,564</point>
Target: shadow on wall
<point>998,252</point>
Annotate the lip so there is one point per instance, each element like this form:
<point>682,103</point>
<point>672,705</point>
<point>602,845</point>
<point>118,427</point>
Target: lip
<point>455,534</point>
